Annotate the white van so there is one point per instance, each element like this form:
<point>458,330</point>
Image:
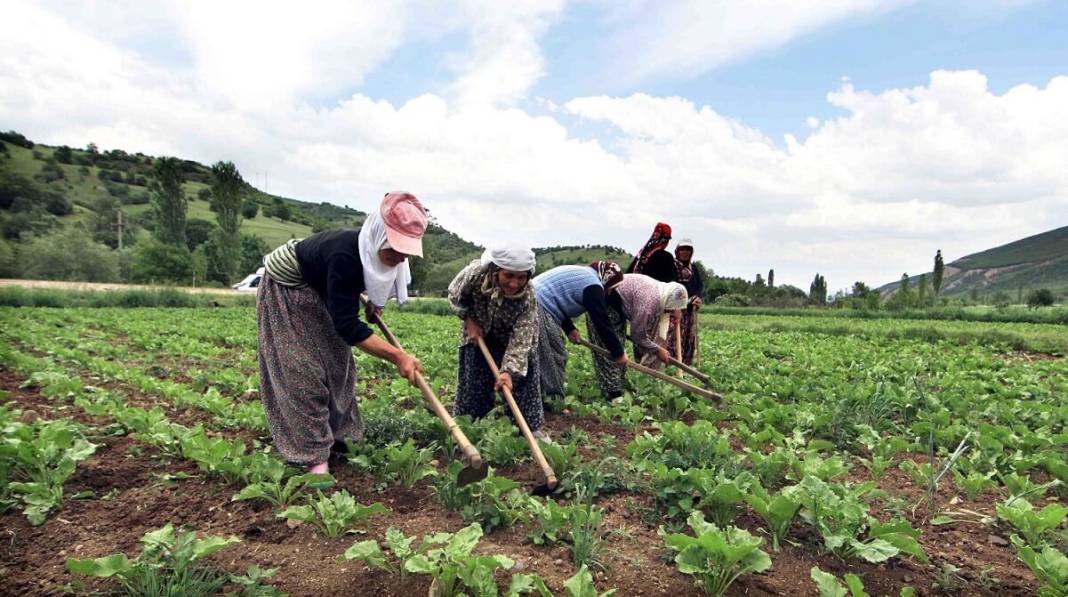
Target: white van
<point>251,282</point>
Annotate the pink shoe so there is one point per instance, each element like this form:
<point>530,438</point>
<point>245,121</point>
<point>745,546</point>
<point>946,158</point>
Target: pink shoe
<point>319,469</point>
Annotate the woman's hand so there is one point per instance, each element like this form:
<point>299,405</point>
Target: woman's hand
<point>408,366</point>
<point>663,355</point>
<point>696,302</point>
<point>574,336</point>
<point>370,311</point>
<point>504,380</point>
<point>622,360</point>
<point>474,331</point>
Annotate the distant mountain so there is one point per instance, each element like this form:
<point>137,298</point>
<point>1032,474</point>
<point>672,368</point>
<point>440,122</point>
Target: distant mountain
<point>65,186</point>
<point>1039,261</point>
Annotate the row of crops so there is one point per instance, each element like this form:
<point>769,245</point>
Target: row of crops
<point>862,457</point>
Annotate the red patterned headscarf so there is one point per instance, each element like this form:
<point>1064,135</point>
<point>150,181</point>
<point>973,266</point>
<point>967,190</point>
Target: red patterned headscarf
<point>657,242</point>
<point>609,273</point>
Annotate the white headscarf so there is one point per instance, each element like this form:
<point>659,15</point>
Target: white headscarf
<point>381,280</point>
<point>672,296</point>
<point>516,258</point>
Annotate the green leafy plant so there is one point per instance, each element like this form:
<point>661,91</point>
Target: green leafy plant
<point>404,463</point>
<point>829,586</point>
<point>282,494</point>
<point>586,536</point>
<point>974,482</point>
<point>492,502</point>
<point>842,520</point>
<point>39,458</point>
<point>334,515</point>
<point>778,511</point>
<point>1034,526</point>
<point>445,557</point>
<point>1049,565</point>
<point>581,585</point>
<point>169,564</point>
<point>715,556</point>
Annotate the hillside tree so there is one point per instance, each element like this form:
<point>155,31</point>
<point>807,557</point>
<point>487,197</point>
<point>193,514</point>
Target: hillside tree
<point>227,199</point>
<point>937,272</point>
<point>921,291</point>
<point>169,202</point>
<point>771,278</point>
<point>817,291</point>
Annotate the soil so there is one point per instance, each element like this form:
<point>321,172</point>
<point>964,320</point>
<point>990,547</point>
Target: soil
<point>132,497</point>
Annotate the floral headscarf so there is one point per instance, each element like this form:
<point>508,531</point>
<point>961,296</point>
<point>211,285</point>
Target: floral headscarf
<point>657,242</point>
<point>609,273</point>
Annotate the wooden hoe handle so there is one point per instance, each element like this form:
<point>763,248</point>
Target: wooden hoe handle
<point>471,455</point>
<point>657,374</point>
<point>550,476</point>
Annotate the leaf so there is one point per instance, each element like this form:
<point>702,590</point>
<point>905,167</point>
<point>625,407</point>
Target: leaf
<point>856,587</point>
<point>419,564</point>
<point>875,551</point>
<point>250,492</point>
<point>581,585</point>
<point>827,583</point>
<point>464,541</point>
<point>527,583</point>
<point>209,545</point>
<point>367,551</point>
<point>104,567</point>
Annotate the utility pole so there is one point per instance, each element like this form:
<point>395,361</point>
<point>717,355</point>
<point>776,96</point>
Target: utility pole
<point>120,228</point>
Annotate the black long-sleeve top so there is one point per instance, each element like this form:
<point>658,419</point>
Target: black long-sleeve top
<point>694,285</point>
<point>593,300</point>
<point>330,263</point>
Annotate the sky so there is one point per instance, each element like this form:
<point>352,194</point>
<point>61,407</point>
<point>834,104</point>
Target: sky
<point>850,138</point>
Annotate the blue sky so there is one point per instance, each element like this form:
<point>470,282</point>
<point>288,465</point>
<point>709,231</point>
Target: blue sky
<point>557,122</point>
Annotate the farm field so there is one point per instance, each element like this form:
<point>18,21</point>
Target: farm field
<point>931,459</point>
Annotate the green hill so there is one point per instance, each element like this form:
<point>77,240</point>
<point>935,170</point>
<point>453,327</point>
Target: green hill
<point>45,189</point>
<point>1039,261</point>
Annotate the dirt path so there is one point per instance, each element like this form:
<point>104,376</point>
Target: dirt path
<point>95,286</point>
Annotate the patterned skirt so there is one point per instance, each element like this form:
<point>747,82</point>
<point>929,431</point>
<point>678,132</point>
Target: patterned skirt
<point>307,374</point>
<point>552,354</point>
<point>611,377</point>
<point>474,386</point>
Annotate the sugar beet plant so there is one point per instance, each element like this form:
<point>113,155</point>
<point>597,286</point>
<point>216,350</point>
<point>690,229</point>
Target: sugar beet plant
<point>716,557</point>
<point>36,460</point>
<point>333,515</point>
<point>171,563</point>
<point>446,557</point>
<point>492,502</point>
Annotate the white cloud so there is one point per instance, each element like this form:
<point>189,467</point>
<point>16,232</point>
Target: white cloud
<point>690,37</point>
<point>868,195</point>
<point>503,59</point>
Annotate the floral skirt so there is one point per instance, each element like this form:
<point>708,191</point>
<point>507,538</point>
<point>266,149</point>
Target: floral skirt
<point>307,374</point>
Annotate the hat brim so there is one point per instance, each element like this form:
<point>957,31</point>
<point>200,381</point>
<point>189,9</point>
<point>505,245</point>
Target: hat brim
<point>402,243</point>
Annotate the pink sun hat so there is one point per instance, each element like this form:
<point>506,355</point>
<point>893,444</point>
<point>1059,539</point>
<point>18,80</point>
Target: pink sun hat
<point>405,221</point>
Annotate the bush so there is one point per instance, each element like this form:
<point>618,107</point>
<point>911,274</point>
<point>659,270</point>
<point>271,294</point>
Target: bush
<point>153,261</point>
<point>7,259</point>
<point>16,139</point>
<point>1042,297</point>
<point>68,255</point>
<point>732,300</point>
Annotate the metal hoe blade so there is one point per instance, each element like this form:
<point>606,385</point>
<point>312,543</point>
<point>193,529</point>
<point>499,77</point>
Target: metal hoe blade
<point>470,475</point>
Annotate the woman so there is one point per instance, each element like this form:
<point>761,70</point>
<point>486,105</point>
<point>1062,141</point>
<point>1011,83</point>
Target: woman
<point>689,277</point>
<point>493,297</point>
<point>566,292</point>
<point>308,316</point>
<point>650,306</point>
<point>653,260</point>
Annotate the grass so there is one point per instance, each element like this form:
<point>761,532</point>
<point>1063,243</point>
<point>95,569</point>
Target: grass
<point>14,296</point>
